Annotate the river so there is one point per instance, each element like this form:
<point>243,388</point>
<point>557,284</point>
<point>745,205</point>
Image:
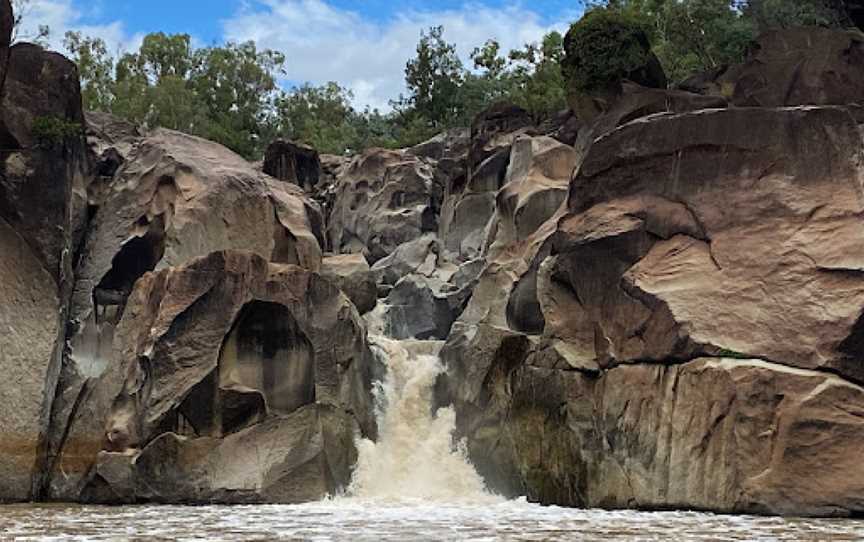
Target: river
<point>412,484</point>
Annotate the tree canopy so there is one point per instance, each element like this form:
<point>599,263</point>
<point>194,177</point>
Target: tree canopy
<point>231,93</point>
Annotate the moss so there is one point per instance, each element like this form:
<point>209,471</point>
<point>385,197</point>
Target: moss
<point>726,353</point>
<point>53,130</point>
<point>604,47</point>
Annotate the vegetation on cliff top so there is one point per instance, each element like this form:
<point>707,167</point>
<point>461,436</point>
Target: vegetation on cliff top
<point>231,93</point>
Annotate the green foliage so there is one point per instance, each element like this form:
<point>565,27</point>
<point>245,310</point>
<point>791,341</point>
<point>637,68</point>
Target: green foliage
<point>603,47</point>
<point>726,353</point>
<point>50,131</point>
<point>433,78</point>
<point>785,14</point>
<point>95,67</point>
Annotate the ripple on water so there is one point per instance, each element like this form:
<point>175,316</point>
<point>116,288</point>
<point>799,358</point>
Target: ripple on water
<point>342,518</point>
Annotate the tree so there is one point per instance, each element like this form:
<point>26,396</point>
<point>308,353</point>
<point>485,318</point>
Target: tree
<point>21,10</point>
<point>433,79</point>
<point>237,85</point>
<point>319,116</point>
<point>604,47</point>
<point>540,84</point>
<point>95,68</point>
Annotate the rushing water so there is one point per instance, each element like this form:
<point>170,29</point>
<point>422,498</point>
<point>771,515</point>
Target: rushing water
<point>357,520</point>
<point>412,484</point>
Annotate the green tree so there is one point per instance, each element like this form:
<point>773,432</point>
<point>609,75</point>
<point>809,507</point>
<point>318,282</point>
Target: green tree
<point>236,83</point>
<point>540,86</point>
<point>321,116</point>
<point>95,68</point>
<point>433,78</point>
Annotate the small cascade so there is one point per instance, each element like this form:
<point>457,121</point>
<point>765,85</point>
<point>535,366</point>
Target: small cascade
<point>415,457</point>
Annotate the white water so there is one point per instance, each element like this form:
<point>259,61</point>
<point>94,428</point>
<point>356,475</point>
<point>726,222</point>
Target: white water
<point>415,457</point>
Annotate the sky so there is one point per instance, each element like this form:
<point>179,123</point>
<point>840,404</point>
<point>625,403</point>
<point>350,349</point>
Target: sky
<point>363,45</point>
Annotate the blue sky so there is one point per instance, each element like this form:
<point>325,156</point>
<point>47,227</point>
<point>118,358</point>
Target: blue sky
<point>361,44</point>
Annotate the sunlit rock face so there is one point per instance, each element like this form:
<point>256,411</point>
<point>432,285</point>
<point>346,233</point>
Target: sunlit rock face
<point>701,277</point>
<point>41,209</point>
<point>226,353</point>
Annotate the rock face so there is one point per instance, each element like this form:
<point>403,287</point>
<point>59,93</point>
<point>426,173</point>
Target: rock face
<point>222,358</point>
<point>384,199</point>
<point>805,66</point>
<point>700,284</point>
<point>292,162</point>
<point>41,205</point>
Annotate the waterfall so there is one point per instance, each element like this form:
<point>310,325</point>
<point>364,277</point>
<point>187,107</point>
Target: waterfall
<point>415,456</point>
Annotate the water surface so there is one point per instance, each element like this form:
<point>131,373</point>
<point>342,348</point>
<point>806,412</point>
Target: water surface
<point>351,519</point>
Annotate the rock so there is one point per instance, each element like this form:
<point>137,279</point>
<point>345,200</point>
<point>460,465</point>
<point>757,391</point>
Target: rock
<point>673,337</point>
<point>293,162</point>
<point>421,256</point>
<point>384,199</point>
<point>802,66</point>
<point>176,198</point>
<point>291,459</point>
<point>535,187</point>
<point>703,272</point>
<point>735,436</point>
<point>42,205</point>
<point>7,24</point>
<point>195,345</point>
<point>421,308</point>
<point>351,273</point>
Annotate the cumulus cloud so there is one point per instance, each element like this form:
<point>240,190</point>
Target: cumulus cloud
<point>63,15</point>
<point>324,43</point>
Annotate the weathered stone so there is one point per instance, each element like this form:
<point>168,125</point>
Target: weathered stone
<point>293,162</point>
<point>192,343</point>
<point>352,274</point>
<point>729,435</point>
<point>42,204</point>
<point>802,66</point>
<point>384,199</point>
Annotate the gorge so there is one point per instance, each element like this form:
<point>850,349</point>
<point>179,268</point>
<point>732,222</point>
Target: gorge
<point>651,303</point>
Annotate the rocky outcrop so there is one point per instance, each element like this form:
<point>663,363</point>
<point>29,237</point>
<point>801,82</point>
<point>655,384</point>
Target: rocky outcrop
<point>688,321</point>
<point>804,66</point>
<point>384,199</point>
<point>294,163</point>
<point>222,358</point>
<point>174,199</point>
<point>352,274</point>
<point>41,207</point>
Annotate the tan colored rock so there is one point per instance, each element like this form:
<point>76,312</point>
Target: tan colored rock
<point>384,199</point>
<point>196,345</point>
<point>776,196</point>
<point>729,435</point>
<point>42,210</point>
<point>30,329</point>
<point>351,272</point>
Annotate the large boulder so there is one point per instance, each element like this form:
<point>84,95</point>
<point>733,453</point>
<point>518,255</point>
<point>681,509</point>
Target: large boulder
<point>351,272</point>
<point>227,353</point>
<point>174,199</point>
<point>384,199</point>
<point>42,204</point>
<point>801,66</point>
<point>685,332</point>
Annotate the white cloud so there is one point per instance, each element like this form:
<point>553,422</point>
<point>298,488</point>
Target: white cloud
<point>62,15</point>
<point>323,43</point>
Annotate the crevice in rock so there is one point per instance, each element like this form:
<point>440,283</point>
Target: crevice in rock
<point>138,256</point>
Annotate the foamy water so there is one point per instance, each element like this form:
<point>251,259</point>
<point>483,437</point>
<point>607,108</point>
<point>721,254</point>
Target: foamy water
<point>356,520</point>
<point>415,457</point>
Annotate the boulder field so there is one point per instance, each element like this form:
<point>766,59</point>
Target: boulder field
<point>659,306</point>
